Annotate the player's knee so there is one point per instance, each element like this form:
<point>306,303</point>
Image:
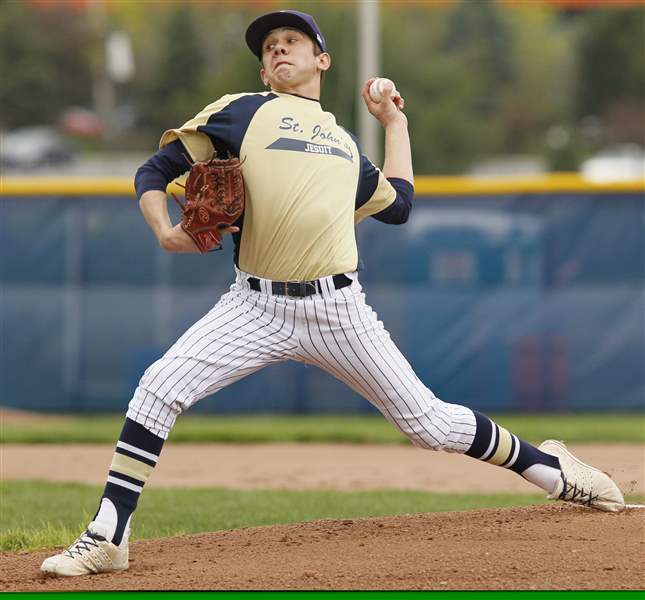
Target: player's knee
<point>417,430</point>
<point>154,412</point>
<point>437,425</point>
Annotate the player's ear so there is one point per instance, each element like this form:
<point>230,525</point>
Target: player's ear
<point>263,76</point>
<point>324,61</point>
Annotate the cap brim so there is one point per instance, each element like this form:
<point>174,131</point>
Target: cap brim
<point>259,29</point>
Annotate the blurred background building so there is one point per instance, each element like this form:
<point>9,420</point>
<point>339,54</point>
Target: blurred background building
<point>504,296</point>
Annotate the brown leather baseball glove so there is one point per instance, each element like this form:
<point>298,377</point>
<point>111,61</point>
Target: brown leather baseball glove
<point>214,201</point>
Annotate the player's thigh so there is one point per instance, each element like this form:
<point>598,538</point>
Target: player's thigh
<point>358,350</point>
<point>241,334</point>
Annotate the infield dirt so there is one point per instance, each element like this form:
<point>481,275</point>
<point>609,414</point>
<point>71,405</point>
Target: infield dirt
<point>545,547</point>
<point>310,466</point>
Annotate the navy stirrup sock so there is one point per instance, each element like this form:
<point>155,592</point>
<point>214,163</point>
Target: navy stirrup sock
<point>136,454</point>
<point>496,445</point>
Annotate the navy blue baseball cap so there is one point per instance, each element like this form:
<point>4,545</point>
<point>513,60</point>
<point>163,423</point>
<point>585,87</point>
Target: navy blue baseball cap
<point>259,29</point>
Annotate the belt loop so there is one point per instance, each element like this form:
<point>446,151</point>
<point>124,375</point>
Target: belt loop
<point>265,286</point>
<point>243,279</point>
<point>327,287</point>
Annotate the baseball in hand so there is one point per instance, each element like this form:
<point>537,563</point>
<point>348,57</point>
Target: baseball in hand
<point>378,87</point>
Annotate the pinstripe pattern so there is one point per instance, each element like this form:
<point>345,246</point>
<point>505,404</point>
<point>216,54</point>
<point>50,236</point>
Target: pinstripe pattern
<point>334,330</point>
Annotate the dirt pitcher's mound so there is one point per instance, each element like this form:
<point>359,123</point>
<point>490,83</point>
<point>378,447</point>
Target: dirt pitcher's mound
<point>546,547</point>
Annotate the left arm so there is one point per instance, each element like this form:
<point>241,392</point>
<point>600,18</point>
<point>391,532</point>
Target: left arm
<point>397,167</point>
<point>389,112</point>
<point>398,155</point>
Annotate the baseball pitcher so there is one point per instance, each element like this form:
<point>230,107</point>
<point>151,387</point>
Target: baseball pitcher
<point>299,185</point>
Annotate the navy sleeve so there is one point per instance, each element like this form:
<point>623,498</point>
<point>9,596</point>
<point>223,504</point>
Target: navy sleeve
<point>399,211</point>
<point>161,168</point>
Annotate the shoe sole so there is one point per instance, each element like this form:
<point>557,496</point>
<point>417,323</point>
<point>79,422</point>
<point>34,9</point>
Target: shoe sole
<point>55,575</point>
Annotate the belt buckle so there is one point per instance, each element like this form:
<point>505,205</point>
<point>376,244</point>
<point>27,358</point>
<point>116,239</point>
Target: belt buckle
<point>296,286</point>
<point>302,289</point>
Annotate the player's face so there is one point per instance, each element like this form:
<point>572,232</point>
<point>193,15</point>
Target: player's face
<point>289,60</point>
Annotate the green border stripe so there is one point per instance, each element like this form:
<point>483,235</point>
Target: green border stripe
<point>362,595</point>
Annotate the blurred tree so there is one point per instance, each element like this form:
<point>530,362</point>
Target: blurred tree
<point>44,64</point>
<point>480,38</point>
<point>448,93</point>
<point>175,90</point>
<point>340,87</point>
<point>540,93</point>
<point>480,78</point>
<point>612,72</point>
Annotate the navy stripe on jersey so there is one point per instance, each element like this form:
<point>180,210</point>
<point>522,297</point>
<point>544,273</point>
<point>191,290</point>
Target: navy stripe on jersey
<point>237,240</point>
<point>226,128</point>
<point>367,181</point>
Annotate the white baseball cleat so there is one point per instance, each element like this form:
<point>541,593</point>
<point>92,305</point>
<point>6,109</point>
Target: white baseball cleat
<point>90,553</point>
<point>582,484</point>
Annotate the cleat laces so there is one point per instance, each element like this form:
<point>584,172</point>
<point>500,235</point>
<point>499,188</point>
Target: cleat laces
<point>84,543</point>
<point>578,495</point>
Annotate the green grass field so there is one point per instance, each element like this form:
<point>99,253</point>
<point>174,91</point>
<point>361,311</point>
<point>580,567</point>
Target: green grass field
<point>38,515</point>
<point>573,428</point>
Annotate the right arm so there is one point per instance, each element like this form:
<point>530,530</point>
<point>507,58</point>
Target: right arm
<point>150,182</point>
<point>154,207</point>
<point>397,165</point>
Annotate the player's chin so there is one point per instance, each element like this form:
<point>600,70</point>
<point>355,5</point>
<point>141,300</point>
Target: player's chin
<point>284,83</point>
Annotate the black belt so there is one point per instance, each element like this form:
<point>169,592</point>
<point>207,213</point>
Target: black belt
<point>299,289</point>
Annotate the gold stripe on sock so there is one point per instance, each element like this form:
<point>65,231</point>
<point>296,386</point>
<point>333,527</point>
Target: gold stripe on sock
<point>503,448</point>
<point>130,466</point>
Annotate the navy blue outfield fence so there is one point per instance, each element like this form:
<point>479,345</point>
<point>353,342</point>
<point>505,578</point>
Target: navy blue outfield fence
<point>503,295</point>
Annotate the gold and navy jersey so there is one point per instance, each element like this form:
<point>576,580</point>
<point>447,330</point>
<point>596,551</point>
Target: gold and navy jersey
<point>307,184</point>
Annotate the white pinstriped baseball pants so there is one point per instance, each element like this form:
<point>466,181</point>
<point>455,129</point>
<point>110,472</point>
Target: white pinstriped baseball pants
<point>335,330</point>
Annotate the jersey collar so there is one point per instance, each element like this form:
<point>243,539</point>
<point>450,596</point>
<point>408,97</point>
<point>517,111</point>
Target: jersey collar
<point>298,96</point>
